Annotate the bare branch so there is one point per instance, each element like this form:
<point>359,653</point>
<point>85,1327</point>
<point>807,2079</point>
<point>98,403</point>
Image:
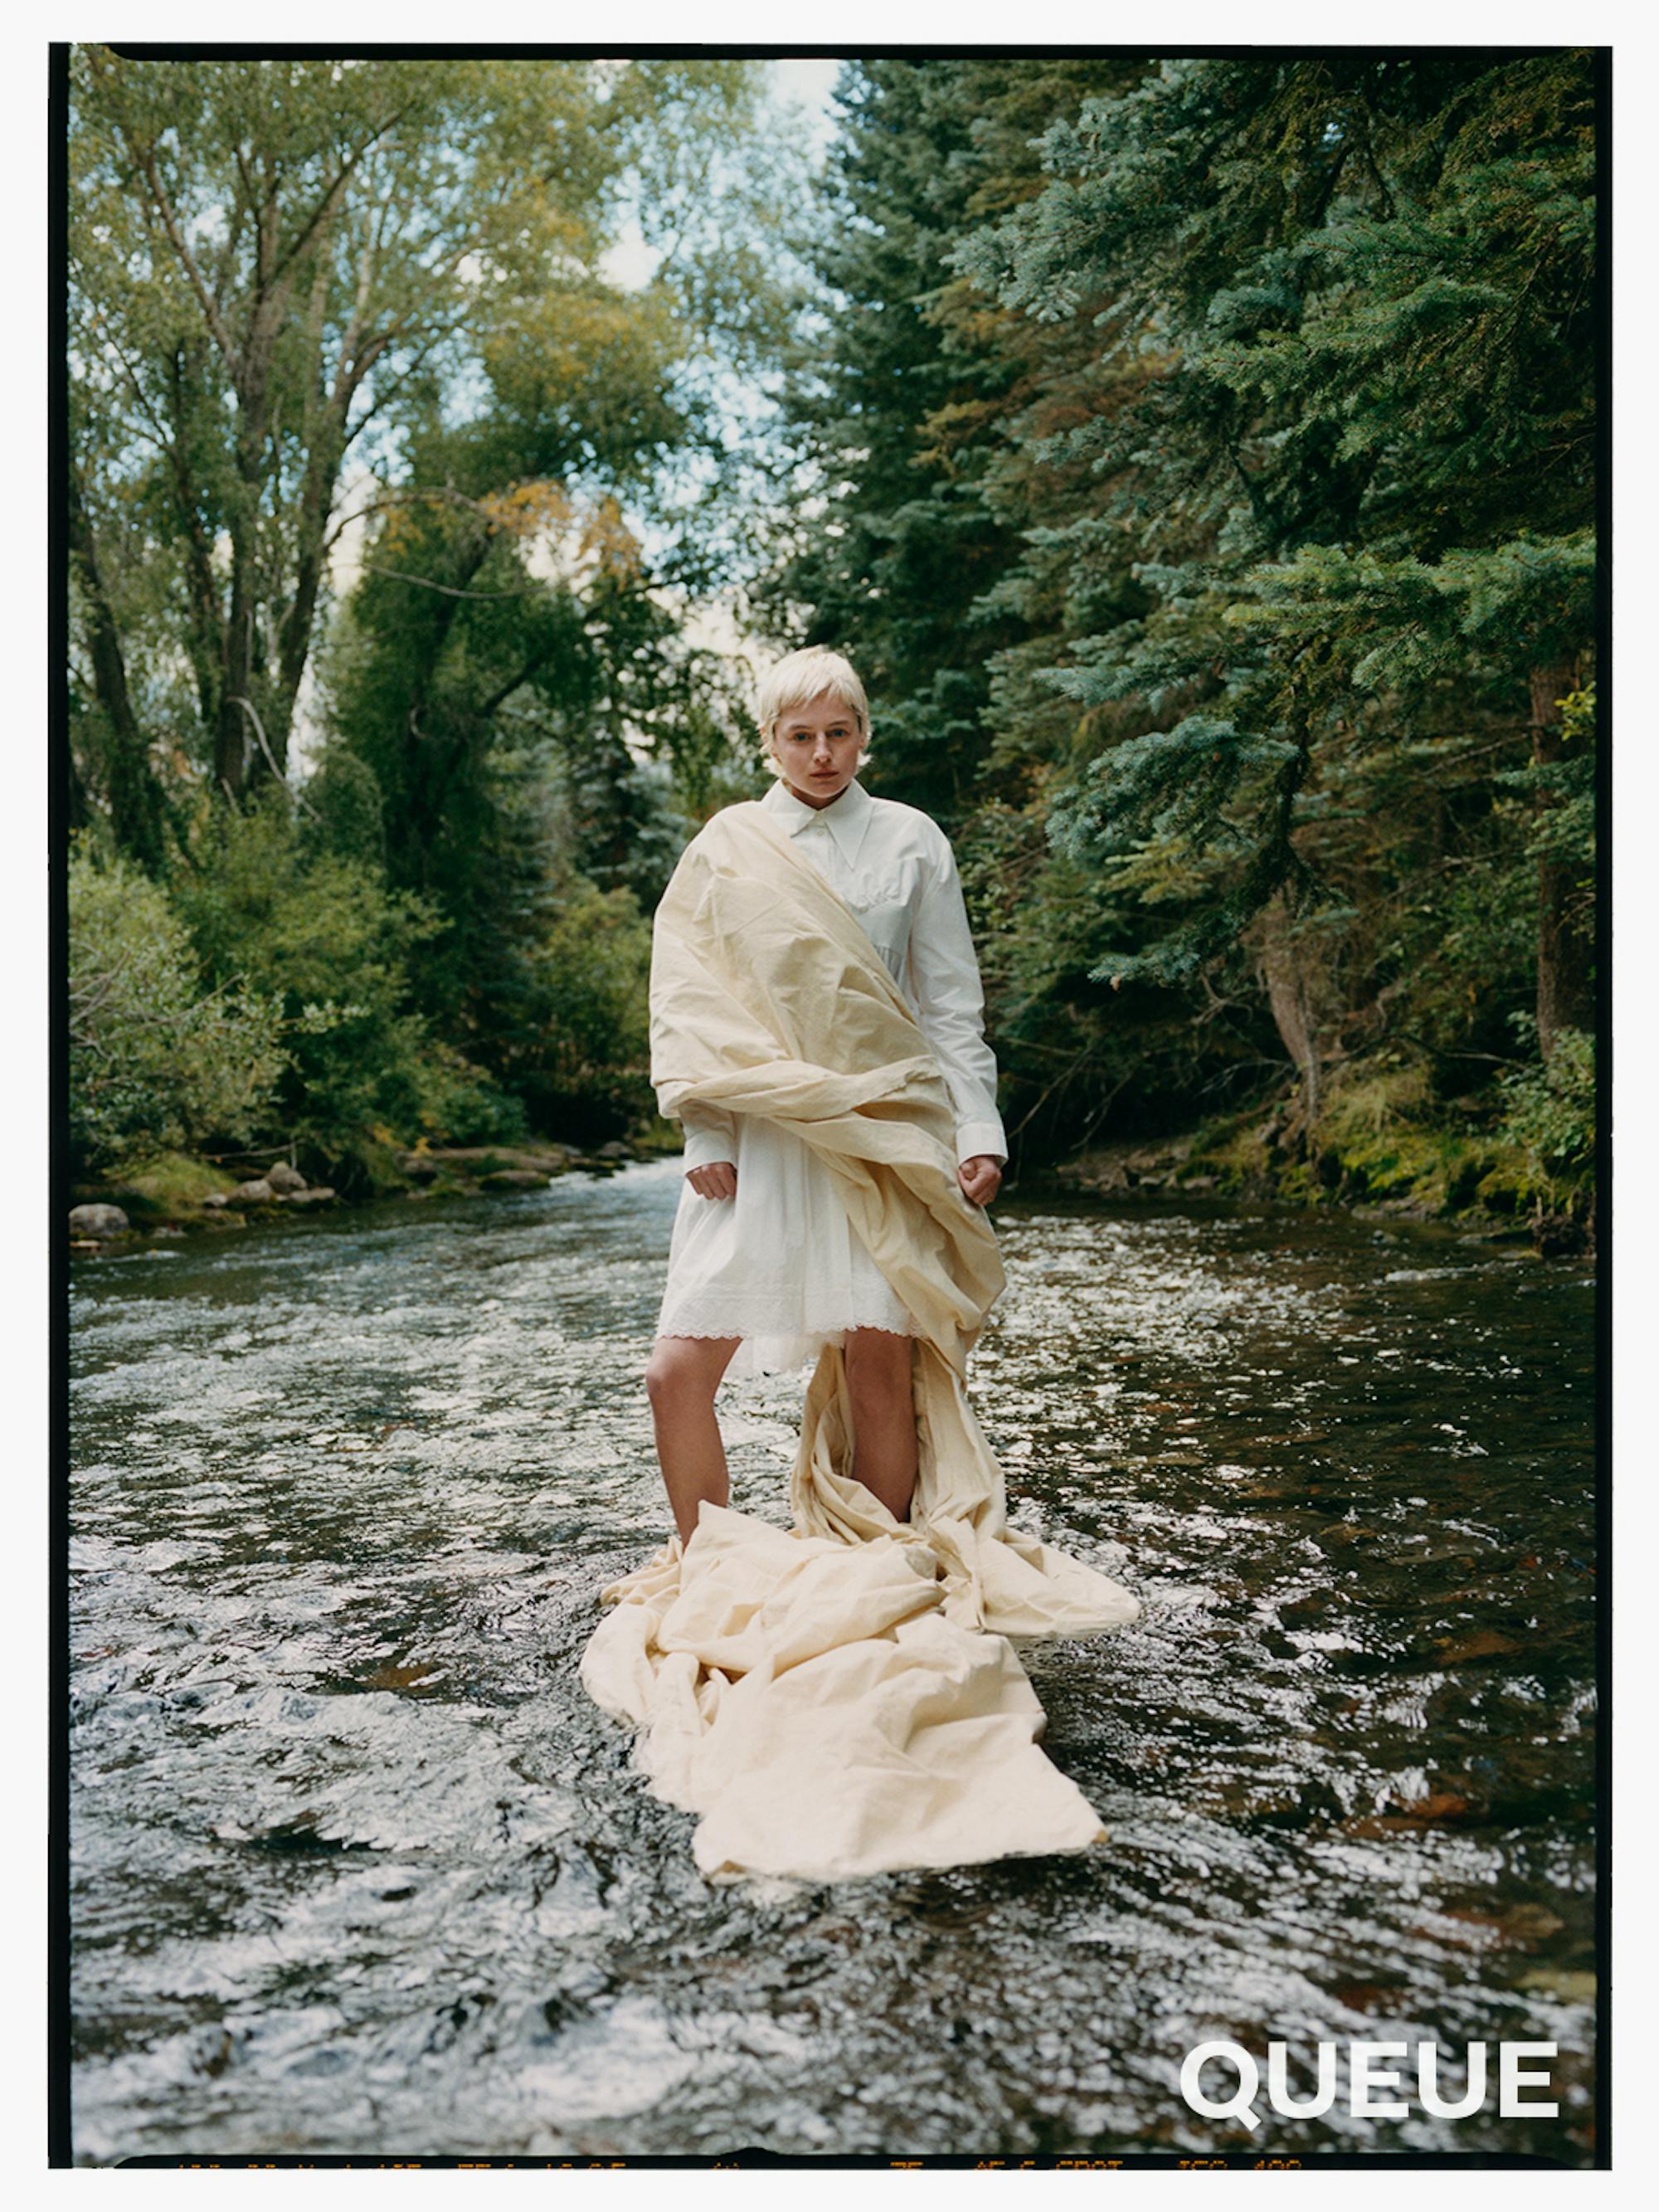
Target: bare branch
<point>414,495</point>
<point>131,374</point>
<point>500,697</point>
<point>391,390</point>
<point>145,157</point>
<point>326,205</point>
<point>249,709</point>
<point>454,591</point>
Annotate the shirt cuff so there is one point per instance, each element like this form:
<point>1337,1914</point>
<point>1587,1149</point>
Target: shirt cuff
<point>709,1141</point>
<point>977,1138</point>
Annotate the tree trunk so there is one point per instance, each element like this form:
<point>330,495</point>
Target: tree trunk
<point>77,811</point>
<point>138,810</point>
<point>204,633</point>
<point>322,467</point>
<point>250,746</point>
<point>234,748</point>
<point>1285,978</point>
<point>1566,946</point>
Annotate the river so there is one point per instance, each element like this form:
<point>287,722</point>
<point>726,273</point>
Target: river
<point>357,1868</point>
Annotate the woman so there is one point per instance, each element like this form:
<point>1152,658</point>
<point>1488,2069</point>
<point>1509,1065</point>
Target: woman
<point>763,1258</point>
<point>841,1697</point>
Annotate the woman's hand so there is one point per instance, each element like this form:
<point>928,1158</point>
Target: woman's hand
<point>717,1180</point>
<point>981,1177</point>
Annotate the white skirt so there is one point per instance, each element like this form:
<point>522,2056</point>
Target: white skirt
<point>779,1265</point>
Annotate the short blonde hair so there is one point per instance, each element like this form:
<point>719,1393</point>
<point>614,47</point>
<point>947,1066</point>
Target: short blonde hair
<point>802,676</point>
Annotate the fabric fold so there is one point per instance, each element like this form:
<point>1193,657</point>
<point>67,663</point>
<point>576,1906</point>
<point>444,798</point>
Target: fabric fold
<point>843,1698</point>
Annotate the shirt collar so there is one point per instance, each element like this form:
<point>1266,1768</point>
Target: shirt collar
<point>847,816</point>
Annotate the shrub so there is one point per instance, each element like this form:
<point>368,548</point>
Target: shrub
<point>321,933</point>
<point>158,1059</point>
<point>1550,1106</point>
<point>587,1073</point>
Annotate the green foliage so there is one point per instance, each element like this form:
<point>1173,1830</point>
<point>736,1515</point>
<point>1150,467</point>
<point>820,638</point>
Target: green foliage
<point>1383,1138</point>
<point>1550,1106</point>
<point>1563,790</point>
<point>897,389</point>
<point>1196,458</point>
<point>173,1183</point>
<point>158,1057</point>
<point>288,274</point>
<point>1072,1049</point>
<point>1362,470</point>
<point>592,972</point>
<point>321,934</point>
<point>1276,378</point>
<point>302,288</point>
<point>490,731</point>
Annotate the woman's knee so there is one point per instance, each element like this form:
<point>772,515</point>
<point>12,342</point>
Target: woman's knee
<point>681,1368</point>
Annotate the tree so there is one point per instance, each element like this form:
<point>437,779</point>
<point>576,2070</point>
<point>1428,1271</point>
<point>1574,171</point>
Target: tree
<point>520,733</point>
<point>1360,485</point>
<point>936,534</point>
<point>898,392</point>
<point>280,271</point>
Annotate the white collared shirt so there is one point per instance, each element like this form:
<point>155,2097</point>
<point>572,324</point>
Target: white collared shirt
<point>893,865</point>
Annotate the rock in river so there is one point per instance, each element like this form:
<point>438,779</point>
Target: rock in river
<point>97,1221</point>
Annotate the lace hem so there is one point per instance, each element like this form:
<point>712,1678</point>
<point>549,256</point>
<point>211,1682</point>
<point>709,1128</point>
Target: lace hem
<point>747,1317</point>
<point>770,1336</point>
<point>767,1344</point>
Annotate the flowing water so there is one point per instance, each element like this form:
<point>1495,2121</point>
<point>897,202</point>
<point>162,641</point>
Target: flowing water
<point>357,1868</point>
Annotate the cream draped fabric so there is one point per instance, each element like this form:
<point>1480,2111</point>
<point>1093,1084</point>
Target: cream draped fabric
<point>842,1699</point>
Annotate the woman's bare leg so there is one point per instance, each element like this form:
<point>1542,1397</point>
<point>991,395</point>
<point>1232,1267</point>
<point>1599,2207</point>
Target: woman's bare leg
<point>883,1415</point>
<point>681,1378</point>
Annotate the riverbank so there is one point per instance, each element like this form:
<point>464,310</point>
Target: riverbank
<point>1378,1147</point>
<point>176,1194</point>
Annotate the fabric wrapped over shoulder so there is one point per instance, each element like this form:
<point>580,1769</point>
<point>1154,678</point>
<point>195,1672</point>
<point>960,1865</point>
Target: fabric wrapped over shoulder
<point>842,1699</point>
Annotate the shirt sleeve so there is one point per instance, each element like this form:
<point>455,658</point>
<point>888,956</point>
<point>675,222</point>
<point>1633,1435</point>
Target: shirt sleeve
<point>710,1136</point>
<point>950,1002</point>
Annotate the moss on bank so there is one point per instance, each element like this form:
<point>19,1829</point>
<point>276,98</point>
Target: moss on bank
<point>170,1189</point>
<point>1381,1138</point>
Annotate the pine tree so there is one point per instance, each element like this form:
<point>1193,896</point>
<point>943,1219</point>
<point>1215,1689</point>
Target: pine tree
<point>1360,486</point>
<point>896,406</point>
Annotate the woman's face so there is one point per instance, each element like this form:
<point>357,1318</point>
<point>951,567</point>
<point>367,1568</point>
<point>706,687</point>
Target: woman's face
<point>818,748</point>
